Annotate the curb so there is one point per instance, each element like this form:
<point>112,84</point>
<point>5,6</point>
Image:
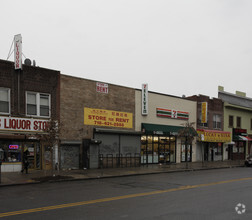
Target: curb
<point>116,176</point>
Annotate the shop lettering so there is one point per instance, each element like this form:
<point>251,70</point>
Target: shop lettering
<point>17,124</point>
<point>23,124</point>
<point>40,125</point>
<point>122,120</point>
<point>95,117</point>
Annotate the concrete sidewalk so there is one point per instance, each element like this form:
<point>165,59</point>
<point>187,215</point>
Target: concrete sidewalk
<point>39,176</point>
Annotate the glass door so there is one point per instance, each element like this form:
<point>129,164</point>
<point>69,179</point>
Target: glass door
<point>33,155</point>
<point>143,150</point>
<point>172,143</point>
<point>164,150</point>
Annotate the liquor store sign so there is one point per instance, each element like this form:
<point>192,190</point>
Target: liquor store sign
<point>102,117</point>
<point>23,124</point>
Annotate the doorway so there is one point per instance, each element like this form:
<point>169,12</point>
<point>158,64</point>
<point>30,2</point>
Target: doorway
<point>34,157</point>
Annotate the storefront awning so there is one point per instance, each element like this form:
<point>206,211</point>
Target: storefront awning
<point>155,129</point>
<point>242,138</point>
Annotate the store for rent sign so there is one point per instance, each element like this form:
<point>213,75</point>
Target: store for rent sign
<point>102,87</point>
<point>102,117</point>
<point>22,124</point>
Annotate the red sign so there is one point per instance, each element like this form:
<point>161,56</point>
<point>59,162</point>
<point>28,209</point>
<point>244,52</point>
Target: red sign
<point>23,124</point>
<point>13,147</point>
<point>101,87</point>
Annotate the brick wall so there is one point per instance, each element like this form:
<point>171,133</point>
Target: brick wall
<point>215,106</point>
<point>31,78</point>
<point>77,93</point>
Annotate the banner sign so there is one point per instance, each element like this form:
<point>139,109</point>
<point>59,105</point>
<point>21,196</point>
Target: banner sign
<point>101,87</point>
<point>102,117</point>
<point>204,112</point>
<point>161,112</point>
<point>214,136</point>
<point>18,51</point>
<point>144,99</point>
<point>23,124</point>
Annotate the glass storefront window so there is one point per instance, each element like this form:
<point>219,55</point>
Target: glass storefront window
<point>10,151</point>
<point>158,149</point>
<point>185,151</point>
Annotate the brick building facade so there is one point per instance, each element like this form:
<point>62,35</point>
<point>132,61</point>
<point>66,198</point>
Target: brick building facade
<point>212,138</point>
<point>94,111</point>
<point>29,98</point>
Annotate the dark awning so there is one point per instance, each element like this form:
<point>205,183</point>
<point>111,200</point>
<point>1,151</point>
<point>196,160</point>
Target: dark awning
<point>241,138</point>
<point>163,129</point>
<point>116,131</point>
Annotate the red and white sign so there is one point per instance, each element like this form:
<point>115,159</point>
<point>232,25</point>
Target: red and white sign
<point>101,87</point>
<point>18,51</point>
<point>23,124</point>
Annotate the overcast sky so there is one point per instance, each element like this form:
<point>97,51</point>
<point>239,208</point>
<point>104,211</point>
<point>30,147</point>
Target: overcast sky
<point>176,46</point>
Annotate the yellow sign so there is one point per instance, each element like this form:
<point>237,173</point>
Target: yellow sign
<point>102,117</point>
<point>204,112</point>
<point>214,136</point>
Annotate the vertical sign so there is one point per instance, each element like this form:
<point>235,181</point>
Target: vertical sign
<point>144,99</point>
<point>204,112</point>
<point>18,51</point>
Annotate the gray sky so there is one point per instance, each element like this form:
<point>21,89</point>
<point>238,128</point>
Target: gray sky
<point>176,46</point>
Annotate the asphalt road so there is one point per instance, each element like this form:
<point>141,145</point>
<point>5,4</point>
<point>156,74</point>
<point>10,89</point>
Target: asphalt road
<point>211,194</point>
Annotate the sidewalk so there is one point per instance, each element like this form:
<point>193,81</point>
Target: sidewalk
<point>39,176</point>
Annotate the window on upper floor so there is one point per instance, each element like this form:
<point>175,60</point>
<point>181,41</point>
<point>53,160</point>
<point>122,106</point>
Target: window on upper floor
<point>238,122</point>
<point>231,121</point>
<point>4,101</point>
<point>37,104</point>
<point>202,124</point>
<point>217,121</point>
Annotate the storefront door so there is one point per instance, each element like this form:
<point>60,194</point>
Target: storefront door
<point>47,157</point>
<point>34,155</point>
<point>164,153</point>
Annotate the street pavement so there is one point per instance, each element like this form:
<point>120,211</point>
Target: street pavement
<point>40,176</point>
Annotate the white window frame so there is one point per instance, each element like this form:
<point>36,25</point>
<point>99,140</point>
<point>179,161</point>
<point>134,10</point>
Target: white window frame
<point>8,90</point>
<point>215,121</point>
<point>38,104</point>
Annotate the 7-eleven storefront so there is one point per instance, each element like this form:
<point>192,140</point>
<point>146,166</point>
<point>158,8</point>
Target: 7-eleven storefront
<point>210,146</point>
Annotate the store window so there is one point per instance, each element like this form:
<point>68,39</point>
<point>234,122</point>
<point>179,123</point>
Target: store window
<point>158,149</point>
<point>238,147</point>
<point>217,121</point>
<point>37,104</point>
<point>10,151</point>
<point>186,151</point>
<point>5,100</point>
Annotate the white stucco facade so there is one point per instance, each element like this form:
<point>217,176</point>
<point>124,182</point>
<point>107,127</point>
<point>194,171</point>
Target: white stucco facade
<point>157,100</point>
